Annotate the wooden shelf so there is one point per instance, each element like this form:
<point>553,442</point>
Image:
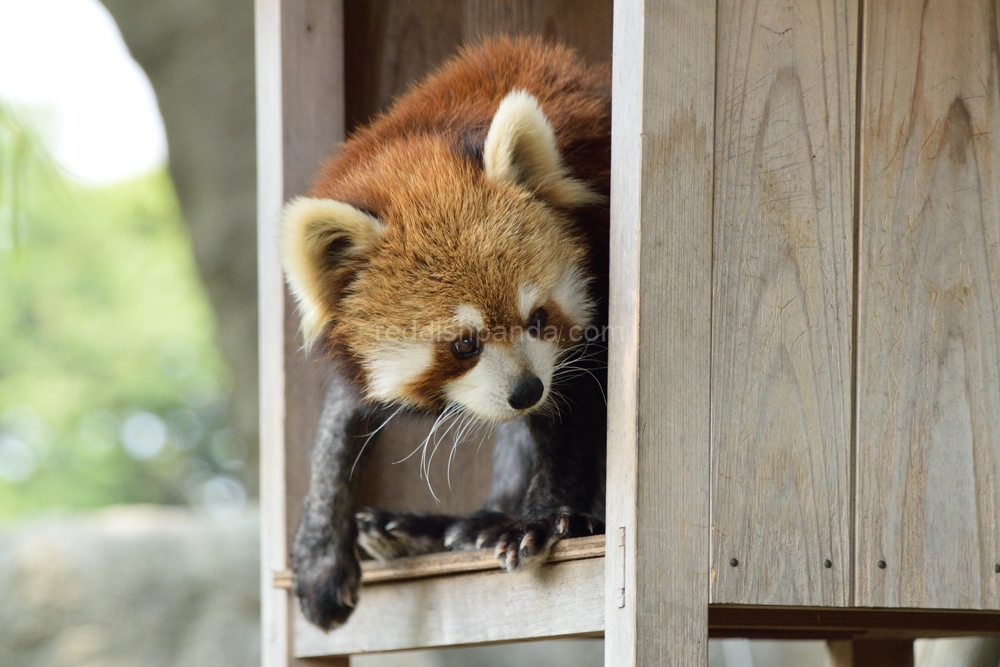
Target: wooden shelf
<point>464,598</point>
<point>457,562</point>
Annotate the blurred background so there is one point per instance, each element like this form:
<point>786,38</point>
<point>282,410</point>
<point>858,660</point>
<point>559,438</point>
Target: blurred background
<point>128,358</point>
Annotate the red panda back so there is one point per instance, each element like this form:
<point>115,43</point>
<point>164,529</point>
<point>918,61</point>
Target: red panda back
<point>459,100</point>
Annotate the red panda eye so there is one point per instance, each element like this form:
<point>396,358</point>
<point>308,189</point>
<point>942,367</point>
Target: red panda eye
<point>537,322</point>
<point>466,347</point>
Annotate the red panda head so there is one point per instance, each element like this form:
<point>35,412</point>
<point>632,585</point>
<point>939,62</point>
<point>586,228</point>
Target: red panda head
<point>449,283</point>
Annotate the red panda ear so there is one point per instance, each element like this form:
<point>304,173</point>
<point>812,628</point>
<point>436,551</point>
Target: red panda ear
<point>521,148</point>
<point>319,239</point>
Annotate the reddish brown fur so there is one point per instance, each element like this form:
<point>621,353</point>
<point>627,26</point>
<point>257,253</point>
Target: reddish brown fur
<point>458,101</point>
<point>449,229</point>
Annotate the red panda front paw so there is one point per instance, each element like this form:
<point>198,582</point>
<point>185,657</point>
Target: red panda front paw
<point>387,535</point>
<point>528,541</point>
<point>327,586</point>
<point>520,542</point>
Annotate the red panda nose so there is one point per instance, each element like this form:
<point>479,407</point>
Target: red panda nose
<point>526,393</point>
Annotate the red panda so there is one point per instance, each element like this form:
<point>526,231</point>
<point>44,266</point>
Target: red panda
<point>452,259</point>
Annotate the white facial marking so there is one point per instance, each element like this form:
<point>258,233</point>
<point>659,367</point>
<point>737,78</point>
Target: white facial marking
<point>485,389</point>
<point>527,299</point>
<point>394,365</point>
<point>570,293</point>
<point>469,317</point>
<point>542,356</point>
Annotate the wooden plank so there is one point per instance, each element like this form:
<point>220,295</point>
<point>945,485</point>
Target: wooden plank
<point>658,400</point>
<point>928,516</point>
<point>270,295</point>
<point>783,275</point>
<point>458,562</point>
<point>299,119</point>
<point>560,600</point>
<point>850,622</point>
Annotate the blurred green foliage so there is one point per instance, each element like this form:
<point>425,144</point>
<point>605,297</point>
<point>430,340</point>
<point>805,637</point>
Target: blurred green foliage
<point>111,387</point>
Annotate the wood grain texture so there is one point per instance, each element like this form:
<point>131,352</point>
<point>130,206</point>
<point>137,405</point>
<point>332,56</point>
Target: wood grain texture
<point>300,119</point>
<point>928,470</point>
<point>658,401</point>
<point>560,600</point>
<point>783,275</point>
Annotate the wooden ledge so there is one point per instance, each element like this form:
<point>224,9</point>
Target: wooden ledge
<point>455,562</point>
<point>767,622</point>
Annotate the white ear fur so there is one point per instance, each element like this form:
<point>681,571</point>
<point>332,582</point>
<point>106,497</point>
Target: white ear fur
<point>521,148</point>
<point>310,228</point>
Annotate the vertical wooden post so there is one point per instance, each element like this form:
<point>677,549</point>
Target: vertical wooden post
<point>300,118</point>
<point>657,574</point>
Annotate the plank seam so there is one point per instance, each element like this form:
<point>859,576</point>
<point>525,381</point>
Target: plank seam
<point>856,310</point>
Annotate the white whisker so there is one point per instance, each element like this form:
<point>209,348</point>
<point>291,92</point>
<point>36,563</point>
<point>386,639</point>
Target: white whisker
<point>370,436</point>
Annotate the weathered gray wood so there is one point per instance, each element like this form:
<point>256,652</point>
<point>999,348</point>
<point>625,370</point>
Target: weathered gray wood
<point>783,263</point>
<point>928,502</point>
<point>559,600</point>
<point>658,401</point>
<point>300,119</point>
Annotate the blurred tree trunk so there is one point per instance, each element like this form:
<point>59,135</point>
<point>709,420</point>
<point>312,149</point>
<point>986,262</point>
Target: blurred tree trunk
<point>199,56</point>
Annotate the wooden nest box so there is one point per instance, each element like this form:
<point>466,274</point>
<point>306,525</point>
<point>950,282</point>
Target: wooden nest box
<point>804,401</point>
